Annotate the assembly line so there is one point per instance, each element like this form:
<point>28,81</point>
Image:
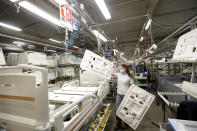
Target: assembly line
<point>98,65</point>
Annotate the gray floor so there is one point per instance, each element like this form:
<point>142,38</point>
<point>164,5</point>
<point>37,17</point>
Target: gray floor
<point>153,115</point>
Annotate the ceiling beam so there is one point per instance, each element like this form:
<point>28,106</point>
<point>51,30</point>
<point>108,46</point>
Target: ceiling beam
<point>150,11</point>
<point>126,3</point>
<point>175,12</point>
<point>127,45</point>
<point>28,38</point>
<point>120,21</point>
<point>179,29</point>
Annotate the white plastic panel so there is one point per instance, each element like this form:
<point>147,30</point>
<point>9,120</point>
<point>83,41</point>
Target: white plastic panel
<point>71,83</point>
<point>52,61</point>
<point>65,59</point>
<point>189,88</point>
<point>12,59</point>
<point>90,77</point>
<point>66,71</point>
<point>182,125</point>
<point>82,93</point>
<point>52,74</point>
<point>70,71</point>
<point>33,58</point>
<point>2,58</point>
<point>37,74</point>
<point>97,64</point>
<point>28,107</point>
<point>186,49</point>
<point>79,88</point>
<point>134,106</point>
<point>64,98</point>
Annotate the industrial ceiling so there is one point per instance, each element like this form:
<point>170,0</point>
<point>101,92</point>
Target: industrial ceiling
<point>126,25</point>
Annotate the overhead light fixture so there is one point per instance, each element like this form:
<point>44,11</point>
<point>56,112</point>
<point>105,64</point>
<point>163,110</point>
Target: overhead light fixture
<point>14,0</point>
<point>18,43</point>
<point>10,26</point>
<point>115,50</point>
<point>56,41</point>
<point>99,35</point>
<point>61,2</point>
<point>148,24</point>
<point>102,6</point>
<point>73,10</point>
<point>142,38</point>
<point>52,51</point>
<point>75,47</point>
<point>81,6</point>
<point>154,46</point>
<point>34,9</point>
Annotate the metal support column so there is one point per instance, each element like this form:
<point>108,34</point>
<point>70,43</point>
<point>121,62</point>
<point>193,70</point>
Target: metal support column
<point>66,38</point>
<point>181,69</point>
<point>193,72</point>
<point>169,69</point>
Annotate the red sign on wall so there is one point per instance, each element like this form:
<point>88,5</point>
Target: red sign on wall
<point>145,47</point>
<point>65,13</point>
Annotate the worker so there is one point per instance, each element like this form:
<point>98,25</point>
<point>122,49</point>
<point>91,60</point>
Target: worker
<point>124,80</point>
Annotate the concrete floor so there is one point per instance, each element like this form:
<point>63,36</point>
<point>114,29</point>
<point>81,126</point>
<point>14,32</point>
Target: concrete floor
<point>154,114</point>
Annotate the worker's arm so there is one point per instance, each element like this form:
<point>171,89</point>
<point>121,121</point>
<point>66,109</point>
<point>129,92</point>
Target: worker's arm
<point>113,74</point>
<point>131,82</point>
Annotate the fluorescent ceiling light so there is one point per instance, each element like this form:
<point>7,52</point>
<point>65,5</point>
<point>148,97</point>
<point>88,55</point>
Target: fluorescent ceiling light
<point>52,51</point>
<point>75,47</point>
<point>10,26</point>
<point>142,38</point>
<point>19,43</point>
<point>61,2</point>
<point>72,9</point>
<point>81,6</point>
<point>102,6</point>
<point>115,50</point>
<point>14,0</point>
<point>99,35</point>
<point>154,46</point>
<point>148,24</point>
<point>56,41</point>
<point>34,9</point>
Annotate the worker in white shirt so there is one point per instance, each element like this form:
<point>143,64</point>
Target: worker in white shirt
<point>124,80</point>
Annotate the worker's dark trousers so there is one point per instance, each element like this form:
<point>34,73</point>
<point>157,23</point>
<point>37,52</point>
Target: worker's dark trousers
<point>119,99</point>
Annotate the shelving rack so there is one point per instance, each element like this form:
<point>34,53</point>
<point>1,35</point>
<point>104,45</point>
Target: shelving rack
<point>142,82</point>
<point>187,89</point>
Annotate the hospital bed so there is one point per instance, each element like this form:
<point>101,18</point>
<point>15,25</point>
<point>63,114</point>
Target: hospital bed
<point>28,104</point>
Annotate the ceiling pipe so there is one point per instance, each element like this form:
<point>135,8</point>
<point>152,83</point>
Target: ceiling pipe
<point>149,14</point>
<point>120,21</point>
<point>183,27</point>
<point>30,41</point>
<point>83,11</point>
<point>84,14</point>
<point>87,16</point>
<point>179,29</point>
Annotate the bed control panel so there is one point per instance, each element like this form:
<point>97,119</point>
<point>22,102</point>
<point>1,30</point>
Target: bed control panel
<point>134,106</point>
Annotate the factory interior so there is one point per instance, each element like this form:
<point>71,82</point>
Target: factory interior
<point>98,65</point>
